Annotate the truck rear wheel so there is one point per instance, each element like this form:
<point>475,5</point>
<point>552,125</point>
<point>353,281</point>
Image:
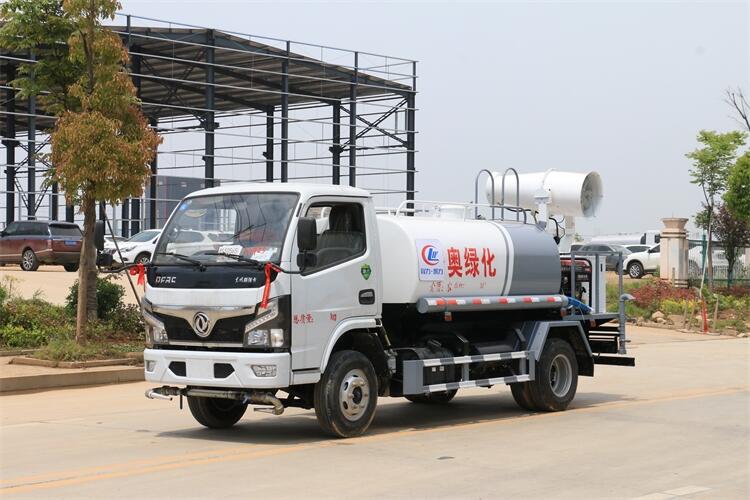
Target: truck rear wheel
<point>216,413</point>
<point>556,379</point>
<point>432,398</point>
<point>346,395</point>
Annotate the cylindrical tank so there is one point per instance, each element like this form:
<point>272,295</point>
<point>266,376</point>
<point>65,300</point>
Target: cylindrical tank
<point>444,257</point>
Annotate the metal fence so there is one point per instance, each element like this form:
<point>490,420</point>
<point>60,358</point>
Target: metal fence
<point>698,264</point>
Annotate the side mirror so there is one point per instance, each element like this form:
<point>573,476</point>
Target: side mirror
<point>99,235</point>
<point>307,234</point>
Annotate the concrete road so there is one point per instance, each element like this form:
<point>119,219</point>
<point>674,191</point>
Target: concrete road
<point>674,427</point>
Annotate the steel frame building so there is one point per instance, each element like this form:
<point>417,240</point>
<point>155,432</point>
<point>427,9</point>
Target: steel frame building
<point>231,107</point>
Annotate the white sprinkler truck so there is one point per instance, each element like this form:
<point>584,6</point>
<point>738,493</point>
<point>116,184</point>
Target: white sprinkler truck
<point>304,295</point>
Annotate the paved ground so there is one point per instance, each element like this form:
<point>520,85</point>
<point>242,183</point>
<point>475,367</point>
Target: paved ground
<point>52,282</point>
<point>674,427</point>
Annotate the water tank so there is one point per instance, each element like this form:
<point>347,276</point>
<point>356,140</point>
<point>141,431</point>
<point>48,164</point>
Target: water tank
<point>443,257</point>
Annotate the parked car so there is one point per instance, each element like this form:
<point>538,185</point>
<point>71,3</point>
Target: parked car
<point>612,259</point>
<point>109,241</point>
<point>139,248</point>
<point>31,243</point>
<point>638,248</point>
<point>639,263</point>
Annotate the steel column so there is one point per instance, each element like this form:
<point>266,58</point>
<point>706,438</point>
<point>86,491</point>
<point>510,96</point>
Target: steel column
<point>154,122</point>
<point>53,202</point>
<point>269,144</point>
<point>209,125</point>
<point>336,147</point>
<point>10,146</point>
<point>353,123</point>
<point>70,213</point>
<point>133,225</point>
<point>285,117</point>
<point>125,218</point>
<point>410,134</point>
<point>31,159</point>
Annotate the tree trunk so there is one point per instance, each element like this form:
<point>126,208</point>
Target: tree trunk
<point>86,273</point>
<point>709,256</point>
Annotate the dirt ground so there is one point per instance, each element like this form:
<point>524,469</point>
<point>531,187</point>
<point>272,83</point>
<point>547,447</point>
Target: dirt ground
<point>52,282</point>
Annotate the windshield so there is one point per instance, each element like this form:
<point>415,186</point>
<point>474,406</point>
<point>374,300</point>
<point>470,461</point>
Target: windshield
<point>64,230</point>
<point>208,228</point>
<point>144,236</point>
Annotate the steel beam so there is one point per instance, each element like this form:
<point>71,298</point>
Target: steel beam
<point>410,135</point>
<point>53,202</point>
<point>31,159</point>
<point>269,144</point>
<point>154,122</point>
<point>209,125</point>
<point>10,146</point>
<point>353,123</point>
<point>336,147</point>
<point>285,117</point>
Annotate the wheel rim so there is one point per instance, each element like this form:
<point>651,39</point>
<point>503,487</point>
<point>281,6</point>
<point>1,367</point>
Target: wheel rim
<point>354,395</point>
<point>635,270</point>
<point>560,375</point>
<point>28,259</point>
<point>143,260</point>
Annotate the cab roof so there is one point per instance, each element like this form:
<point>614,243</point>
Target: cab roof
<point>304,190</point>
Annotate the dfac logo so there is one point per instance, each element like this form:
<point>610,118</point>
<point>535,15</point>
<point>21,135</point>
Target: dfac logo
<point>201,324</point>
<point>430,255</point>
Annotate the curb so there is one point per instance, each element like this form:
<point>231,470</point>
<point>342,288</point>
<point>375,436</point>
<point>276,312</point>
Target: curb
<point>56,380</point>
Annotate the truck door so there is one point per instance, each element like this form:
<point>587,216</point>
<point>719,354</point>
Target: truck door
<point>341,284</point>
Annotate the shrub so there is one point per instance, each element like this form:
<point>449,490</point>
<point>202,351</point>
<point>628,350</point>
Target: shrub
<point>3,294</point>
<point>67,350</point>
<point>35,314</point>
<point>126,321</point>
<point>651,295</point>
<point>20,337</point>
<point>108,297</point>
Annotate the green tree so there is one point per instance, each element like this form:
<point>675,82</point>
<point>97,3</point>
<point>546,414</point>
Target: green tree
<point>101,144</point>
<point>737,197</point>
<point>711,166</point>
<point>734,233</point>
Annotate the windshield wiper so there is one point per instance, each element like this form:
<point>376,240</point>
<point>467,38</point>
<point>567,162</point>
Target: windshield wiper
<point>239,258</point>
<point>201,265</point>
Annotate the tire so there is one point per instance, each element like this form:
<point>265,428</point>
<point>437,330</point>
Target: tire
<point>432,398</point>
<point>143,257</point>
<point>556,379</point>
<point>635,270</point>
<point>29,262</point>
<point>71,268</point>
<point>521,394</point>
<point>346,395</point>
<point>216,413</point>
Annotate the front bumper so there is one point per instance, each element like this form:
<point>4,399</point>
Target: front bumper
<point>200,370</point>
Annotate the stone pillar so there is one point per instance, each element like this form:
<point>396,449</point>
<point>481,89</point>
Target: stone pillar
<point>673,260</point>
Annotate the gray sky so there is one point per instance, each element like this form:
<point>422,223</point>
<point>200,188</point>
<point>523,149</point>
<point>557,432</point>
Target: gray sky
<point>617,87</point>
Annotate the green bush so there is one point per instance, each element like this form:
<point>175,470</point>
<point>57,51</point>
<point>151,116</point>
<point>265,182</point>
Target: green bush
<point>126,321</point>
<point>35,314</point>
<point>20,337</point>
<point>108,297</point>
<point>66,349</point>
<point>3,294</point>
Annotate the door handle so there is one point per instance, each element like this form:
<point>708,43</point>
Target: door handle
<point>367,297</point>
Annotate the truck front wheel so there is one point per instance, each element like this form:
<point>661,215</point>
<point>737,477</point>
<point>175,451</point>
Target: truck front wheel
<point>346,395</point>
<point>216,413</point>
<point>556,379</point>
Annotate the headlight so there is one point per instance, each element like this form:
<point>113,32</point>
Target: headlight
<point>156,333</point>
<point>270,328</point>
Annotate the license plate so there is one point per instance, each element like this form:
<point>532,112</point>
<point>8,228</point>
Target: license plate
<point>71,243</point>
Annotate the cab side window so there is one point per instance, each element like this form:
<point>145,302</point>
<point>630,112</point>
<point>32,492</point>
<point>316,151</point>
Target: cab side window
<point>341,233</point>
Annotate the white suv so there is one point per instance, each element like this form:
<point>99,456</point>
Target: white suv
<point>639,263</point>
<point>138,248</point>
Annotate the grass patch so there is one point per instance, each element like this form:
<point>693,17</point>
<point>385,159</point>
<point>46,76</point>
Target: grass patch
<point>69,350</point>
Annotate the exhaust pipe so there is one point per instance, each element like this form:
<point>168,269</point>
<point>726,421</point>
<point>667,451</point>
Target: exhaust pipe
<point>153,394</point>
